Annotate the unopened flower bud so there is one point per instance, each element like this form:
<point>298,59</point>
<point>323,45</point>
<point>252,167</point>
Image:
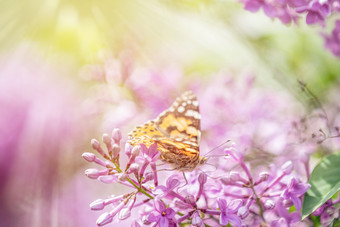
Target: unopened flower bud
<point>109,179</point>
<point>92,158</point>
<point>264,176</point>
<point>97,204</point>
<point>128,149</point>
<point>115,150</point>
<point>95,173</point>
<point>269,204</point>
<point>134,168</point>
<point>106,138</point>
<point>104,219</point>
<point>96,146</point>
<point>88,156</point>
<point>243,212</point>
<point>135,151</point>
<point>287,167</point>
<point>116,135</point>
<point>148,176</point>
<point>108,216</point>
<point>202,178</point>
<point>126,212</point>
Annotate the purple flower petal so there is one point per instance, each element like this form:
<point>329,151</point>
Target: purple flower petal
<point>196,219</point>
<point>172,182</point>
<point>234,219</point>
<point>169,213</point>
<point>153,149</point>
<point>222,204</point>
<point>155,157</point>
<point>301,188</point>
<point>313,18</point>
<point>270,11</point>
<point>153,217</point>
<point>296,202</point>
<point>144,149</point>
<point>160,190</point>
<point>163,222</point>
<point>223,219</point>
<point>234,205</point>
<point>252,6</point>
<point>159,205</point>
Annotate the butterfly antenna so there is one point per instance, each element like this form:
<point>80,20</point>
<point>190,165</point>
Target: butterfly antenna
<point>215,148</point>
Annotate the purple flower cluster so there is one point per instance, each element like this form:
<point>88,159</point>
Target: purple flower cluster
<point>333,40</point>
<point>316,11</point>
<point>328,212</point>
<point>255,184</point>
<point>234,193</point>
<point>290,10</point>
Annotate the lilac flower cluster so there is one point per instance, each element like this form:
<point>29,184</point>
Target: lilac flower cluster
<point>235,193</point>
<point>316,11</point>
<point>328,212</point>
<point>287,11</point>
<point>270,129</point>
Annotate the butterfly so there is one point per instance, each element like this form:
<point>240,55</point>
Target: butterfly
<point>176,131</point>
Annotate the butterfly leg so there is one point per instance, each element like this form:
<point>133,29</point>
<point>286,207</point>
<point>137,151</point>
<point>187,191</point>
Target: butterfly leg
<point>185,178</point>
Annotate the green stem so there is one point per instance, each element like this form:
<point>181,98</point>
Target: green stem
<point>258,203</point>
<point>140,189</point>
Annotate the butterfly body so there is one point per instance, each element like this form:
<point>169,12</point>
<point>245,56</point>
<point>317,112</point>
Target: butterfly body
<point>176,131</point>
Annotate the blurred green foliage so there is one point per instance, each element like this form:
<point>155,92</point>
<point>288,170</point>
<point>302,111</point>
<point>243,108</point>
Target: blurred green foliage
<point>203,37</point>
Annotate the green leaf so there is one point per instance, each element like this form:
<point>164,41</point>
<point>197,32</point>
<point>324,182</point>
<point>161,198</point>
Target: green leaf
<point>324,181</point>
<point>336,223</point>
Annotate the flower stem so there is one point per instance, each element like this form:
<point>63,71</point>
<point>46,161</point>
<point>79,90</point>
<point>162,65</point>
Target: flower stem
<point>140,188</point>
<point>258,203</point>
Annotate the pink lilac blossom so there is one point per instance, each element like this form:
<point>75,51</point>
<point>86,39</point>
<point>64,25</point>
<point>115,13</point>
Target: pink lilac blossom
<point>290,10</point>
<point>328,212</point>
<point>174,204</point>
<point>316,11</point>
<point>228,212</point>
<point>266,168</point>
<point>161,215</point>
